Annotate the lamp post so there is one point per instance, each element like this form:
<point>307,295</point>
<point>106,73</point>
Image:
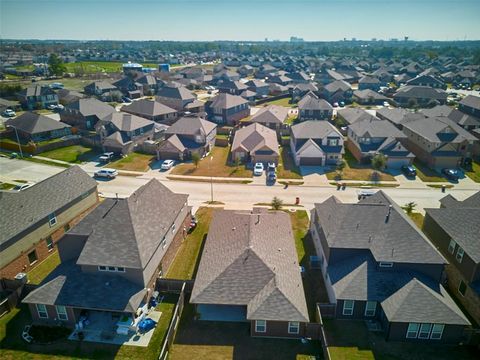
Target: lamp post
<point>18,140</point>
<point>211,179</point>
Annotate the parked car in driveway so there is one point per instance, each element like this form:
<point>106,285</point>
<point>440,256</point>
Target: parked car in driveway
<point>271,178</point>
<point>106,157</point>
<point>9,113</point>
<point>451,174</point>
<point>271,167</point>
<point>106,173</point>
<point>23,186</point>
<point>258,169</point>
<point>409,171</point>
<point>167,164</point>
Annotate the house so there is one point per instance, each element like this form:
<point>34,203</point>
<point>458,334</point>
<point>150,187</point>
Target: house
<point>8,104</point>
<point>122,133</point>
<point>226,75</point>
<point>466,121</point>
<point>175,96</point>
<point>66,96</point>
<point>272,116</point>
<point>99,88</point>
<point>38,216</point>
<point>316,143</point>
<point>260,87</point>
<point>249,272</point>
<point>427,80</point>
<point>111,260</point>
<point>231,87</point>
<point>311,107</point>
<point>148,84</point>
<point>454,230</point>
<point>255,143</point>
<point>37,97</point>
<point>129,87</point>
<point>299,77</point>
<point>369,82</point>
<point>470,105</point>
<point>338,90</point>
<point>369,137</point>
<point>186,136</point>
<point>369,97</point>
<point>395,116</point>
<point>438,141</point>
<point>151,110</point>
<point>246,70</point>
<point>227,109</point>
<point>280,80</point>
<point>348,116</point>
<point>85,113</point>
<point>35,127</point>
<point>379,267</point>
<point>410,96</point>
<point>301,89</point>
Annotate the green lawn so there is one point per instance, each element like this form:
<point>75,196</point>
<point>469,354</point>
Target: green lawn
<point>356,171</point>
<point>426,174</point>
<point>475,173</point>
<point>282,102</point>
<point>133,162</point>
<point>14,348</point>
<point>74,154</point>
<point>92,67</point>
<point>6,186</point>
<point>417,219</point>
<point>286,167</point>
<point>220,166</point>
<point>45,162</point>
<point>186,261</point>
<point>41,271</point>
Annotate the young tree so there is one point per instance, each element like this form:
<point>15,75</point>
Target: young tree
<point>195,159</point>
<point>341,165</point>
<point>379,162</point>
<point>412,103</point>
<point>276,203</point>
<point>409,207</point>
<point>56,65</point>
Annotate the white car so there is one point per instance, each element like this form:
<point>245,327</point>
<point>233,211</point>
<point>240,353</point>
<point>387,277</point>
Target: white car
<point>106,173</point>
<point>23,186</point>
<point>258,169</point>
<point>9,113</point>
<point>167,164</point>
<point>386,104</point>
<point>106,157</point>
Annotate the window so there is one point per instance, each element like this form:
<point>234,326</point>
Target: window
<point>412,330</point>
<point>49,242</point>
<point>293,327</point>
<point>437,331</point>
<point>385,264</point>
<point>112,268</point>
<point>52,219</point>
<point>120,269</point>
<point>424,332</point>
<point>102,268</point>
<point>61,312</point>
<point>164,242</point>
<point>333,142</point>
<point>42,311</point>
<point>460,253</point>
<point>32,257</point>
<point>451,246</point>
<point>370,308</point>
<point>260,326</point>
<point>462,288</point>
<point>348,307</point>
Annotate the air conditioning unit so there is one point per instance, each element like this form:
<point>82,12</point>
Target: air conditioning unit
<point>22,277</point>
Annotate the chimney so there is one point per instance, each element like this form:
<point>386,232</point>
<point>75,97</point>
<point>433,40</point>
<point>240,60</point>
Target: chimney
<point>388,214</point>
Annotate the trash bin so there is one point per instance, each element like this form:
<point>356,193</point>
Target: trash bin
<point>297,200</point>
<point>443,188</point>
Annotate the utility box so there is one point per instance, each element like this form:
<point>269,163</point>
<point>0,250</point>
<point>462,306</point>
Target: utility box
<point>22,277</point>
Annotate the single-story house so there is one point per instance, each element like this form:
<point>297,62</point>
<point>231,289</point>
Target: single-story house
<point>255,143</point>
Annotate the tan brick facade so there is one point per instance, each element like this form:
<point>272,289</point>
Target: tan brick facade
<point>22,263</point>
<point>357,154</point>
<point>471,301</point>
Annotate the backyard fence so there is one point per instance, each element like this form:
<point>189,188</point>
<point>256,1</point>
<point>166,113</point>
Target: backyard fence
<point>172,328</point>
<point>12,292</point>
<point>174,285</point>
<point>322,335</point>
<point>272,98</point>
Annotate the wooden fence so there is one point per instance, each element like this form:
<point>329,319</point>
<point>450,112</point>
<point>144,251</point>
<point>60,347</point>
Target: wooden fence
<point>13,291</point>
<point>174,285</point>
<point>322,335</point>
<point>272,98</point>
<point>172,328</point>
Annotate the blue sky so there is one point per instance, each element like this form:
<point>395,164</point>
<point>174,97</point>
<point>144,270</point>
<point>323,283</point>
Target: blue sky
<point>239,19</point>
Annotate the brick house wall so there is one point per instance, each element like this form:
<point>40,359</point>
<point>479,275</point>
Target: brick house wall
<point>277,329</point>
<point>52,316</point>
<point>36,239</point>
<point>357,154</point>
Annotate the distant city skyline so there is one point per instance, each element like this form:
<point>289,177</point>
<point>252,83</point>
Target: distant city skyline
<point>247,20</point>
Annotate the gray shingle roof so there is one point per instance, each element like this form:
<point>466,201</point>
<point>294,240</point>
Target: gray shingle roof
<point>338,85</point>
<point>191,125</point>
<point>423,92</point>
<point>432,127</point>
<point>395,116</point>
<point>272,114</point>
<point>29,206</point>
<point>129,231</point>
<point>314,130</point>
<point>453,114</point>
<point>376,129</point>
<point>67,285</point>
<point>148,108</point>
<point>32,123</point>
<point>363,226</point>
<point>368,94</point>
<point>311,102</point>
<point>126,122</point>
<point>250,259</point>
<point>255,137</point>
<point>227,101</point>
<point>471,101</point>
<point>176,92</point>
<point>351,115</point>
<point>91,106</point>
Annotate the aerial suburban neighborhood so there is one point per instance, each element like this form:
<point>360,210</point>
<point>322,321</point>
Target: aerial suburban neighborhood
<point>234,199</point>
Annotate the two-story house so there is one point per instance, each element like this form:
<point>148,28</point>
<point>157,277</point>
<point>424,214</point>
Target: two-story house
<point>111,260</point>
<point>316,143</point>
<point>99,88</point>
<point>410,95</point>
<point>35,127</point>
<point>178,97</point>
<point>227,109</point>
<point>231,87</point>
<point>151,110</point>
<point>37,97</point>
<point>272,116</point>
<point>466,121</point>
<point>470,105</point>
<point>369,82</point>
<point>455,229</point>
<point>255,143</point>
<point>85,113</point>
<point>379,267</point>
<point>188,135</point>
<point>337,91</point>
<point>438,141</point>
<point>121,132</point>
<point>369,137</point>
<point>259,87</point>
<point>427,80</point>
<point>38,216</point>
<point>311,107</point>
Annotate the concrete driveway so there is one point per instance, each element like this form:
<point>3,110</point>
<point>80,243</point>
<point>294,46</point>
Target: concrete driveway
<point>13,169</point>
